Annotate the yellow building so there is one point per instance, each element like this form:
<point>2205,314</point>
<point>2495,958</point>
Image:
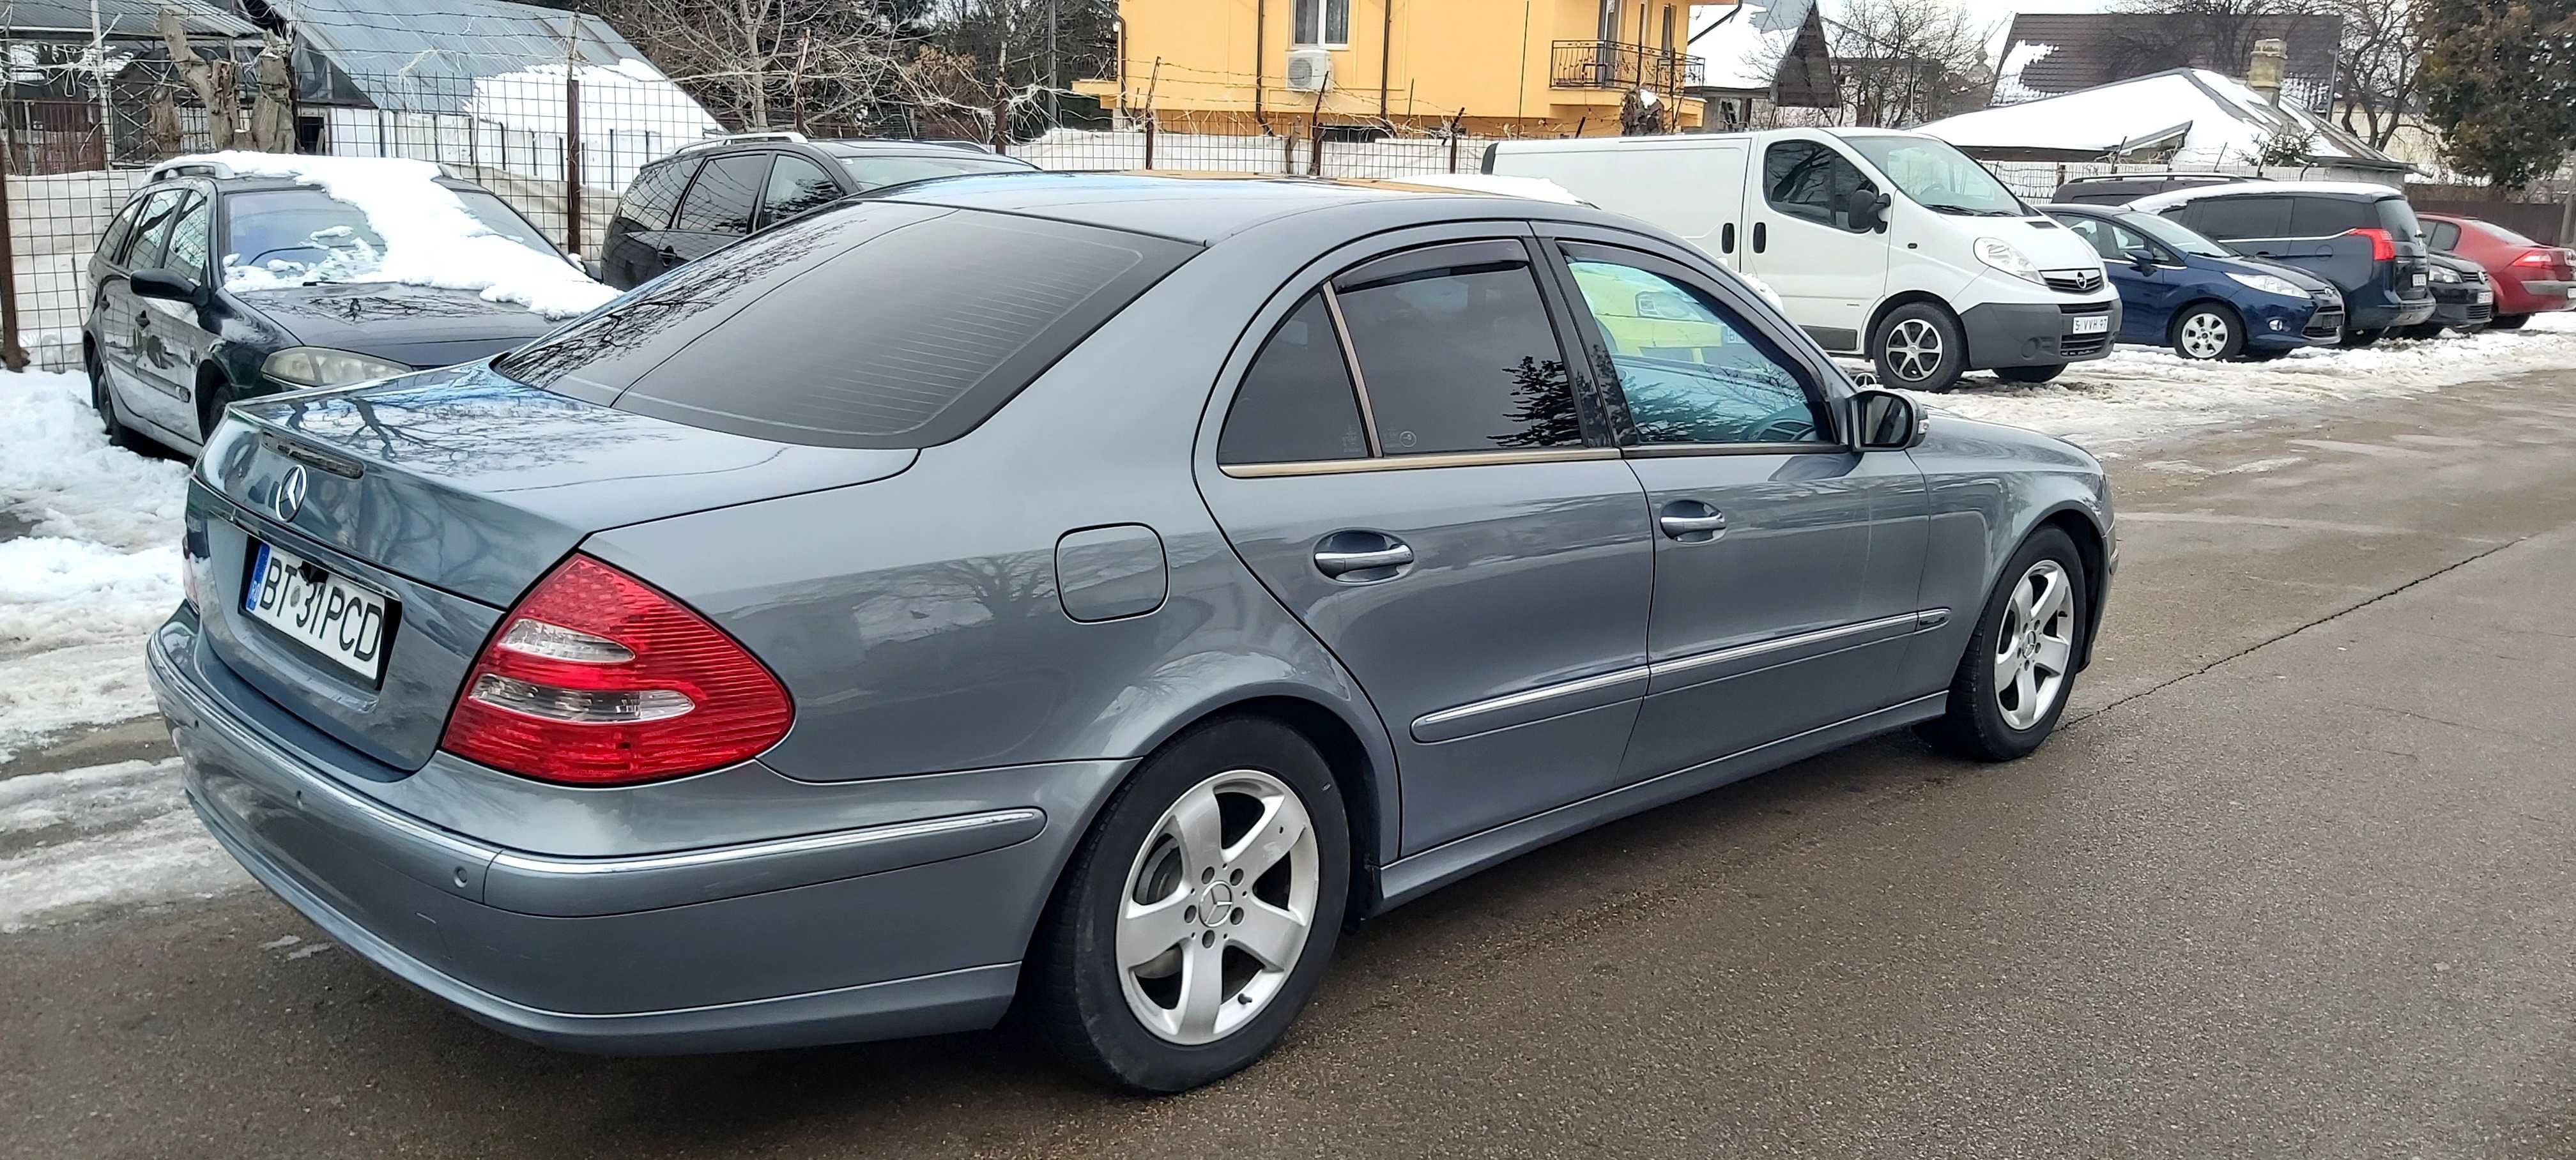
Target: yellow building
<point>1490,67</point>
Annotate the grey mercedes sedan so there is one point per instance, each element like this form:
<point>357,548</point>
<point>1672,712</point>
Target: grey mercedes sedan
<point>1092,591</point>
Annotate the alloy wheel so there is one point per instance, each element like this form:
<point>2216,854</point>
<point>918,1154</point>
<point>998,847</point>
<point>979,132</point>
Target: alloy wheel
<point>1219,903</point>
<point>2035,645</point>
<point>2204,335</point>
<point>1914,350</point>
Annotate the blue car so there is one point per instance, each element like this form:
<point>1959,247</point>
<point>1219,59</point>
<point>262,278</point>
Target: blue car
<point>2182,290</point>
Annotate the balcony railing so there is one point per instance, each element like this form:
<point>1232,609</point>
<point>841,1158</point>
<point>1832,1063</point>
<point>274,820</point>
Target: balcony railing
<point>1608,64</point>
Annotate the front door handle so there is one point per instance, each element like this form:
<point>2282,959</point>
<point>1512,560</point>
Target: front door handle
<point>1362,557</point>
<point>1690,521</point>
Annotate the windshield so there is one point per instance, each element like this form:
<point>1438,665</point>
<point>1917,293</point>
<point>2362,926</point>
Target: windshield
<point>293,237</point>
<point>878,172</point>
<point>2175,234</point>
<point>1938,177</point>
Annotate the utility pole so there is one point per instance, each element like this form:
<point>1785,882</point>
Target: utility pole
<point>1052,82</point>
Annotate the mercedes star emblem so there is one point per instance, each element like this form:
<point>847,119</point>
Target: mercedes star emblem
<point>290,493</point>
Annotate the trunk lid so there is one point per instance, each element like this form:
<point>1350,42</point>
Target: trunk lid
<point>446,493</point>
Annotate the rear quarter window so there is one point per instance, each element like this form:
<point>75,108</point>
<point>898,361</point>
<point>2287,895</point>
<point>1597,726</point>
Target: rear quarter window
<point>649,201</point>
<point>2240,217</point>
<point>2324,217</point>
<point>2397,216</point>
<point>874,324</point>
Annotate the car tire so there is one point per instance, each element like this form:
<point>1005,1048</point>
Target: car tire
<point>2036,616</point>
<point>101,397</point>
<point>2353,337</point>
<point>211,403</point>
<point>1929,348</point>
<point>2207,332</point>
<point>1126,1016</point>
<point>2030,374</point>
<point>2509,321</point>
<point>2421,330</point>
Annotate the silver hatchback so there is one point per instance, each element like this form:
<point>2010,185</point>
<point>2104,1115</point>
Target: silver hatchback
<point>1088,590</point>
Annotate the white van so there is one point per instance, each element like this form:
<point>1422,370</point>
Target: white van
<point>1879,242</point>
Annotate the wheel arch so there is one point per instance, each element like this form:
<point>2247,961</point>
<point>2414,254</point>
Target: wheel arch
<point>2092,550</point>
<point>210,378</point>
<point>2173,321</point>
<point>1889,304</point>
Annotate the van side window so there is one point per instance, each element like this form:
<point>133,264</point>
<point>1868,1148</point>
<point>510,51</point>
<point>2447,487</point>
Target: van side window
<point>2229,218</point>
<point>1457,353</point>
<point>1808,180</point>
<point>1296,401</point>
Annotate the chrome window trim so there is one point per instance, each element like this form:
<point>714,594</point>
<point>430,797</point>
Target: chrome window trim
<point>1351,361</point>
<point>1665,450</point>
<point>1530,697</point>
<point>1909,621</point>
<point>1415,462</point>
<point>902,831</point>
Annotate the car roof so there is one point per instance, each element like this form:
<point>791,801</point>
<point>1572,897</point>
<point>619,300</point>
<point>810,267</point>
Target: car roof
<point>1192,207</point>
<point>2173,197</point>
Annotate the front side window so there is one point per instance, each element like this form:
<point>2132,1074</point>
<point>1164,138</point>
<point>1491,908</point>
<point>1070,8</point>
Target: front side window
<point>725,195</point>
<point>2110,240</point>
<point>1296,402</point>
<point>2173,234</point>
<point>152,230</point>
<point>1456,351</point>
<point>1691,372</point>
<point>189,237</point>
<point>1808,180</point>
<point>796,186</point>
<point>1937,176</point>
<point>1322,22</point>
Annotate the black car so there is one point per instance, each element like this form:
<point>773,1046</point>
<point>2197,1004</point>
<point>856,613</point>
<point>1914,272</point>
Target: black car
<point>2462,298</point>
<point>171,339</point>
<point>2363,238</point>
<point>693,202</point>
<point>2123,188</point>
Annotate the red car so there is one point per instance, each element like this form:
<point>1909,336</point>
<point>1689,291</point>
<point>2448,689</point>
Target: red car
<point>2529,277</point>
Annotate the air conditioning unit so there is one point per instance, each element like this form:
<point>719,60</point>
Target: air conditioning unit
<point>1309,69</point>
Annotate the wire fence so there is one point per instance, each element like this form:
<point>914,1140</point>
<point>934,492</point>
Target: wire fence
<point>558,143</point>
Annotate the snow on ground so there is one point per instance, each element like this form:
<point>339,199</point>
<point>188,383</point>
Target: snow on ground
<point>95,568</point>
<point>100,836</point>
<point>429,238</point>
<point>2138,394</point>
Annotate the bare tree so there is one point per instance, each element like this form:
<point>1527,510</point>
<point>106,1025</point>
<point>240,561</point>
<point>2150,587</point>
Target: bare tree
<point>217,81</point>
<point>765,63</point>
<point>2216,34</point>
<point>1903,62</point>
<point>2381,51</point>
<point>272,109</point>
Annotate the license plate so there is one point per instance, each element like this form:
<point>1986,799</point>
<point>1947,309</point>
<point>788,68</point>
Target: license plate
<point>2485,296</point>
<point>2089,324</point>
<point>328,614</point>
<point>2419,279</point>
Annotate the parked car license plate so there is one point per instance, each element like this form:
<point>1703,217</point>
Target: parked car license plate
<point>2485,296</point>
<point>329,614</point>
<point>2089,324</point>
<point>2419,279</point>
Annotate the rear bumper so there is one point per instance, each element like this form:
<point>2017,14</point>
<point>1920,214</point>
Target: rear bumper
<point>871,933</point>
<point>2537,296</point>
<point>2030,334</point>
<point>2381,316</point>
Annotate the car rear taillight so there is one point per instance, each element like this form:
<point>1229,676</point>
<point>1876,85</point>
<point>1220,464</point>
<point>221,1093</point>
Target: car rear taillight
<point>2538,258</point>
<point>597,678</point>
<point>2383,245</point>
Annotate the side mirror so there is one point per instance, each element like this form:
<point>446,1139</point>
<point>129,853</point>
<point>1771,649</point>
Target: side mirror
<point>2143,259</point>
<point>1885,421</point>
<point>1862,212</point>
<point>169,287</point>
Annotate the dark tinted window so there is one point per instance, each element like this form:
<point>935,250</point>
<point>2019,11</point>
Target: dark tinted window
<point>2095,232</point>
<point>1455,347</point>
<point>2442,236</point>
<point>152,230</point>
<point>189,237</point>
<point>118,230</point>
<point>2324,217</point>
<point>1296,401</point>
<point>875,324</point>
<point>1811,181</point>
<point>725,195</point>
<point>649,201</point>
<point>2240,217</point>
<point>796,186</point>
<point>1691,372</point>
<point>869,171</point>
<point>2397,216</point>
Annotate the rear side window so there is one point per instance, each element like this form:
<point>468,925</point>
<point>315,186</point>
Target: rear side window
<point>1296,401</point>
<point>2397,216</point>
<point>873,324</point>
<point>2324,217</point>
<point>1457,352</point>
<point>2226,218</point>
<point>648,203</point>
<point>796,187</point>
<point>2442,236</point>
<point>725,195</point>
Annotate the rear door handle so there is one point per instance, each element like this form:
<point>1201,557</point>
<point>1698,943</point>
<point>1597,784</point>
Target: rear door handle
<point>1362,557</point>
<point>1761,236</point>
<point>1690,521</point>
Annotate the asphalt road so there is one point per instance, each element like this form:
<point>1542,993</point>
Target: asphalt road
<point>2294,881</point>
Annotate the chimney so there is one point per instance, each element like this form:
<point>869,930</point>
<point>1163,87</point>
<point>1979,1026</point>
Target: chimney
<point>2263,72</point>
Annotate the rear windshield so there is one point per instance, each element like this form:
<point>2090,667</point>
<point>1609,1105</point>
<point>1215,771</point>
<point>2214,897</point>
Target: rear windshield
<point>877,171</point>
<point>872,324</point>
<point>2501,234</point>
<point>2398,217</point>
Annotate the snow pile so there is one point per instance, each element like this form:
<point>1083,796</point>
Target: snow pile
<point>108,834</point>
<point>429,238</point>
<point>96,568</point>
<point>2138,394</point>
<point>2008,87</point>
<point>1534,188</point>
<point>628,97</point>
<point>2222,120</point>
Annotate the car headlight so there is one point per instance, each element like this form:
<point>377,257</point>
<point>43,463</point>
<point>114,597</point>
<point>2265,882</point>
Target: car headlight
<point>2445,274</point>
<point>2268,284</point>
<point>315,366</point>
<point>2001,255</point>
